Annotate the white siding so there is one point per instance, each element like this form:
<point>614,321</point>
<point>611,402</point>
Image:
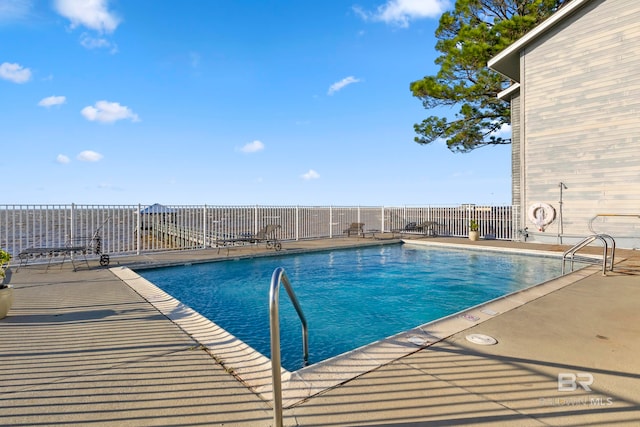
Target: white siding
<point>581,117</point>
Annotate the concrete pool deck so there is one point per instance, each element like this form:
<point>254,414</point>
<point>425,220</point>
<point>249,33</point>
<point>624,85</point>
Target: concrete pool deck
<point>85,348</point>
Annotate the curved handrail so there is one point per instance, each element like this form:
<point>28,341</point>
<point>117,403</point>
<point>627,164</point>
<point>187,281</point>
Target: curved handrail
<point>279,276</point>
<point>613,249</point>
<point>605,239</point>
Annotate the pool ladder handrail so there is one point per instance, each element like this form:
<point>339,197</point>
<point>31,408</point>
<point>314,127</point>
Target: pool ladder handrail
<point>607,261</point>
<point>279,276</point>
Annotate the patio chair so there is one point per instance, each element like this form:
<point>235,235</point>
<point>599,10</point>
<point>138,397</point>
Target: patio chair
<point>411,226</point>
<point>355,227</point>
<point>428,228</point>
<point>268,235</point>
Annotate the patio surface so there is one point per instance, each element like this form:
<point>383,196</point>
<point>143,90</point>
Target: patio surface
<point>84,348</point>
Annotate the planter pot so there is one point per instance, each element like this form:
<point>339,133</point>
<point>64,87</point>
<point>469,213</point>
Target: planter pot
<point>474,235</point>
<point>6,300</point>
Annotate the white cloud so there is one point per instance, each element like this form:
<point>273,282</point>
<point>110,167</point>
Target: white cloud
<point>89,156</point>
<point>62,159</point>
<point>14,72</point>
<point>11,10</point>
<point>253,147</point>
<point>108,112</point>
<point>92,14</point>
<point>311,174</point>
<point>52,100</point>
<point>90,42</point>
<point>503,132</point>
<point>401,12</point>
<point>342,84</point>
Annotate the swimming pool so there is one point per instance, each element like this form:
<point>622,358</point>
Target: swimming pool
<point>351,297</point>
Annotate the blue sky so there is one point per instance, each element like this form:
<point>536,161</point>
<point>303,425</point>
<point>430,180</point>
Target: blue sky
<point>227,103</point>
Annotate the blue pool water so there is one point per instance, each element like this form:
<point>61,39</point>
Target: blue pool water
<point>350,297</point>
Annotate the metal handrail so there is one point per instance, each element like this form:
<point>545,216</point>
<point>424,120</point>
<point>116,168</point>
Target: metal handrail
<point>609,214</point>
<point>279,276</point>
<point>605,239</point>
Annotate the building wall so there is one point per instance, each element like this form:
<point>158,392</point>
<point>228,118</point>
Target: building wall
<point>580,90</point>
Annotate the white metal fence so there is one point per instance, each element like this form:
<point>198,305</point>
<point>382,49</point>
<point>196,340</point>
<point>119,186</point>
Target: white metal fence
<point>129,229</point>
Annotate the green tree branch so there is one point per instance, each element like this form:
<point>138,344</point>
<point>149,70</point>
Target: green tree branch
<point>468,36</point>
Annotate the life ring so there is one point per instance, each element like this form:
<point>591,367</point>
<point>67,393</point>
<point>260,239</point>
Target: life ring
<point>541,214</point>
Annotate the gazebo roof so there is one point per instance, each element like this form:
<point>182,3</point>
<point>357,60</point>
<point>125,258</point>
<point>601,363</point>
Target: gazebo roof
<point>156,208</point>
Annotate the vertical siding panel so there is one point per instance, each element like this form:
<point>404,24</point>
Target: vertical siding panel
<point>515,150</point>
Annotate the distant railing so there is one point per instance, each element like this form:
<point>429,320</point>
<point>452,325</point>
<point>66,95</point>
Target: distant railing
<point>134,229</point>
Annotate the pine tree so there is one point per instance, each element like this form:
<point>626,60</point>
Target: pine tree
<point>468,36</point>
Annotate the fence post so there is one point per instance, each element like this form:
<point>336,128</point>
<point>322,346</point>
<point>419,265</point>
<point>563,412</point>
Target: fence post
<point>72,219</point>
<point>72,228</point>
<point>204,227</point>
<point>516,220</point>
<point>330,222</point>
<point>256,227</point>
<point>404,216</point>
<point>297,223</point>
<point>138,229</point>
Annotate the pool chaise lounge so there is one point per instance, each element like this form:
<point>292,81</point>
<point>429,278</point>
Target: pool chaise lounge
<point>77,246</point>
<point>427,228</point>
<point>267,235</point>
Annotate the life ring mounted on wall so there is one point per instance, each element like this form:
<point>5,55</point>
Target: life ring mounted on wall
<point>541,214</point>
